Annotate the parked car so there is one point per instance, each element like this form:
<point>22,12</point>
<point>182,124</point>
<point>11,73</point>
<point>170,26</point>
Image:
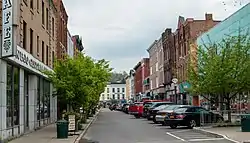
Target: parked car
<point>146,105</point>
<point>151,113</point>
<point>125,107</point>
<point>191,117</point>
<point>154,111</point>
<point>136,109</point>
<point>164,113</point>
<point>113,107</point>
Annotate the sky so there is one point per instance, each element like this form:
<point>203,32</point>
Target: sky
<point>120,31</point>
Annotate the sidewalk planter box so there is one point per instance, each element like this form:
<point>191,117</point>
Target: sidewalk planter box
<point>245,123</point>
<point>62,129</point>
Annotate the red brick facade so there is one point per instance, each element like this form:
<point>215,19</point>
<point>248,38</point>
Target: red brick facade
<point>138,79</point>
<point>62,21</point>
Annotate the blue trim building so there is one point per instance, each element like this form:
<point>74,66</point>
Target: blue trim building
<point>231,26</point>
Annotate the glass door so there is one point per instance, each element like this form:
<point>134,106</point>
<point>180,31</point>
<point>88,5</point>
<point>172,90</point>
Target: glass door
<point>26,101</point>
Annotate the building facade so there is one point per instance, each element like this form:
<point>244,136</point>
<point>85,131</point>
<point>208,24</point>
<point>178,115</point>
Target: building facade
<point>156,77</point>
<point>237,23</point>
<point>70,45</point>
<point>185,35</point>
<point>26,101</point>
<point>62,30</point>
<point>78,44</point>
<point>132,83</point>
<point>115,91</point>
<point>145,75</point>
<point>128,87</point>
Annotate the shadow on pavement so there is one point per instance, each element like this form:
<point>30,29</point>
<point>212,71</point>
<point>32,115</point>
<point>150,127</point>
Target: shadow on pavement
<point>87,141</point>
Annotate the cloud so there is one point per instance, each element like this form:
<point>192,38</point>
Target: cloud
<point>122,30</point>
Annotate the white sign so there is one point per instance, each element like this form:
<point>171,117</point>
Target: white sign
<point>28,61</point>
<point>72,124</point>
<point>175,80</point>
<point>8,46</point>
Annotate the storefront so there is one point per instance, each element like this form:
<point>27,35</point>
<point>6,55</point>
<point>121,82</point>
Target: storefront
<point>26,101</point>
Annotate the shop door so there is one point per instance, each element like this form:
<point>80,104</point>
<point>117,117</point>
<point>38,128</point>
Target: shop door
<point>26,101</point>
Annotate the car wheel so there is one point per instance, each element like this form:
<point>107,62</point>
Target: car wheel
<point>192,124</point>
<point>174,126</point>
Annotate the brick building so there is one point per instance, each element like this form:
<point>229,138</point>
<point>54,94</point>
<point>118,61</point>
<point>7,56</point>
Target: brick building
<point>62,30</point>
<point>141,75</point>
<point>185,35</point>
<point>77,43</point>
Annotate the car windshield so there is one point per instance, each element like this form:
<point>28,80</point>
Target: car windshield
<point>147,104</point>
<point>161,107</point>
<point>181,109</point>
<point>172,107</point>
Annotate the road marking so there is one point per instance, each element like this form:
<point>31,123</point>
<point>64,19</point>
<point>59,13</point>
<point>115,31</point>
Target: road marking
<point>175,136</point>
<point>180,131</point>
<point>209,139</point>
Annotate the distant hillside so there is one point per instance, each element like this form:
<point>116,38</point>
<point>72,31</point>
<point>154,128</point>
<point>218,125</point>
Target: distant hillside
<point>118,77</point>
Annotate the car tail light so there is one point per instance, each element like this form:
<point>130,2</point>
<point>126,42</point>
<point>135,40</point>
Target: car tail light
<point>180,116</point>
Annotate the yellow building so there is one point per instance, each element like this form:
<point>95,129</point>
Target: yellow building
<point>128,85</point>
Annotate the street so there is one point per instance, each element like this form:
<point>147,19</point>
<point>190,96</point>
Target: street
<point>117,127</point>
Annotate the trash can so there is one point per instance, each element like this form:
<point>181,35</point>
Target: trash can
<point>62,129</point>
<point>245,123</point>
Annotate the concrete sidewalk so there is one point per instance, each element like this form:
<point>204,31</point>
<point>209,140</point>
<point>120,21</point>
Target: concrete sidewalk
<point>44,135</point>
<point>48,134</point>
<point>233,134</point>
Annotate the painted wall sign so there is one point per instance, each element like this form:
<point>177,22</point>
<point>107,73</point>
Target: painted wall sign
<point>26,60</point>
<point>72,122</point>
<point>8,44</point>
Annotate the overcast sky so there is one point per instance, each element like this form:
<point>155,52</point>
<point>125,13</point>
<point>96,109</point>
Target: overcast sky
<point>121,30</point>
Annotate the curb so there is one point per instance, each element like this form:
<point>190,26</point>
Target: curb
<point>217,135</point>
<point>87,127</point>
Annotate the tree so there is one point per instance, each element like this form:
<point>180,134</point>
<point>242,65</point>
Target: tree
<point>80,80</point>
<point>222,70</point>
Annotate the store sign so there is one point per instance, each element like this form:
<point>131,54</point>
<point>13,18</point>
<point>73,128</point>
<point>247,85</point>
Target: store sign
<point>26,60</point>
<point>8,46</point>
<point>72,122</point>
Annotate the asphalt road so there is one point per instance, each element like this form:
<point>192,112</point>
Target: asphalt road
<point>117,127</point>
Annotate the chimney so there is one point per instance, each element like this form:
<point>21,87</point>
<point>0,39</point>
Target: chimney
<point>168,31</point>
<point>209,16</point>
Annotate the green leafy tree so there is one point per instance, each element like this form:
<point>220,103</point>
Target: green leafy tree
<point>222,70</point>
<point>80,80</point>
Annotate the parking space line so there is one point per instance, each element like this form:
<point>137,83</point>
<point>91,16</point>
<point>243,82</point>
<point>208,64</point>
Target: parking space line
<point>209,139</point>
<point>180,131</point>
<point>175,136</point>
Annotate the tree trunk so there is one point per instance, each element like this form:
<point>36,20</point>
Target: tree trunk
<point>228,105</point>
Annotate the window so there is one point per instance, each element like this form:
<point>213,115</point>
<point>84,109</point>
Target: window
<point>43,99</point>
<point>118,96</point>
<point>31,4</point>
<point>113,89</point>
<point>24,34</point>
<point>43,13</point>
<point>118,89</point>
<point>113,96</point>
<point>42,51</point>
<point>47,18</point>
<point>47,55</point>
<point>151,84</point>
<point>156,82</point>
<point>37,45</point>
<point>31,41</point>
<point>53,27</point>
<point>123,89</point>
<point>38,106</point>
<point>37,4</point>
<point>107,90</point>
<point>123,96</point>
<point>156,66</point>
<point>12,99</point>
<point>53,56</point>
<point>151,70</point>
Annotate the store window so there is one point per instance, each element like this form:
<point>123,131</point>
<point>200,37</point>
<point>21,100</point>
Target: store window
<point>43,99</point>
<point>12,99</point>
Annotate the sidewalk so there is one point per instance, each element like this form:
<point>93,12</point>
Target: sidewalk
<point>44,135</point>
<point>49,134</point>
<point>231,133</point>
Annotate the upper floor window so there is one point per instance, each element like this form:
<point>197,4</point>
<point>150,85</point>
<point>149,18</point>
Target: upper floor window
<point>37,4</point>
<point>107,90</point>
<point>113,89</point>
<point>123,89</point>
<point>31,4</point>
<point>47,18</point>
<point>53,27</point>
<point>31,41</point>
<point>24,34</point>
<point>42,51</point>
<point>43,20</point>
<point>118,89</point>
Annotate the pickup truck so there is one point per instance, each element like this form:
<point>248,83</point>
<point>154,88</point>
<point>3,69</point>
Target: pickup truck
<point>136,109</point>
